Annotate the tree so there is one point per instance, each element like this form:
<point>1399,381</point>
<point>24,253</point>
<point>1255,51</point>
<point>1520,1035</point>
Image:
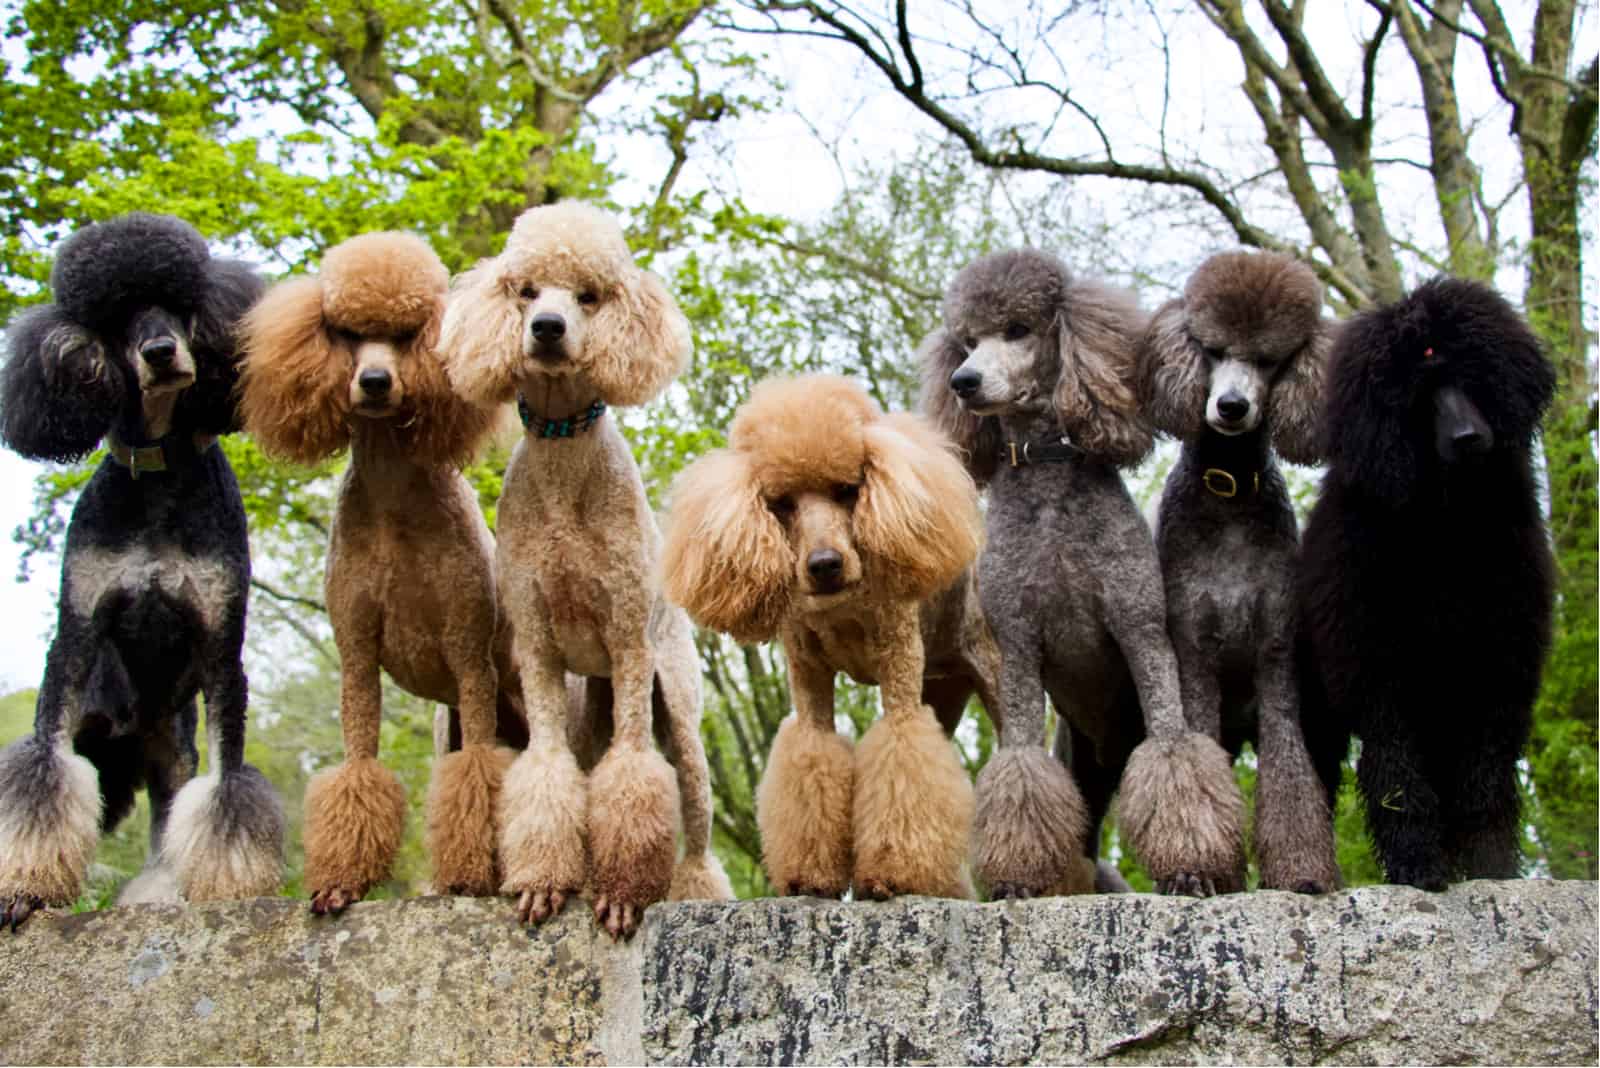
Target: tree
<point>1330,188</point>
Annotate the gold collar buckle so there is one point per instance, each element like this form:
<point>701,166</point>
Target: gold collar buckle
<point>1224,485</point>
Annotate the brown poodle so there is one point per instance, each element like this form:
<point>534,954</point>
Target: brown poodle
<point>347,360</point>
<point>564,322</point>
<point>848,534</point>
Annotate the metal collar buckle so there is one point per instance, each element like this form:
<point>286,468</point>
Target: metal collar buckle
<point>1224,485</point>
<point>141,458</point>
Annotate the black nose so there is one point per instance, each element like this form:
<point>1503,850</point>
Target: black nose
<point>1233,406</point>
<point>965,381</point>
<point>374,381</point>
<point>826,567</point>
<point>159,351</point>
<point>1459,427</point>
<point>547,327</point>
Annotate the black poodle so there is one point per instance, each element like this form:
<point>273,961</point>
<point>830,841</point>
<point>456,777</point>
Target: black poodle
<point>139,349</point>
<point>1426,577</point>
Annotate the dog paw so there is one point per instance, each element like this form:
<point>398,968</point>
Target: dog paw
<point>1187,884</point>
<point>619,918</point>
<point>1011,892</point>
<point>1313,886</point>
<point>332,900</point>
<point>808,889</point>
<point>16,908</point>
<point>537,905</point>
<point>1422,878</point>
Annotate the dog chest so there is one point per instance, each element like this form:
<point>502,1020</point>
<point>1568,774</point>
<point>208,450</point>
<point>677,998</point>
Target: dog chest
<point>205,585</point>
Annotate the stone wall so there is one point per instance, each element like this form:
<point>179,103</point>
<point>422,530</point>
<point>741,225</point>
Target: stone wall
<point>1491,972</point>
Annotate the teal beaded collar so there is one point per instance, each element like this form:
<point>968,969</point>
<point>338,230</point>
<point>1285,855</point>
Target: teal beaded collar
<point>566,427</point>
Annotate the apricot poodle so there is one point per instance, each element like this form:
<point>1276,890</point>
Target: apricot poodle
<point>566,324</point>
<point>847,534</point>
<point>346,359</point>
<point>1235,370</point>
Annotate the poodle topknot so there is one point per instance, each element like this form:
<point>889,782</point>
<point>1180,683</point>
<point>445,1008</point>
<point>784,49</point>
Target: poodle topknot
<point>108,270</point>
<point>1246,343</point>
<point>1022,335</point>
<point>564,301</point>
<point>358,342</point>
<point>728,558</point>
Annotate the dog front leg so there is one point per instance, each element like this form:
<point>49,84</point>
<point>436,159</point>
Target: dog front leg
<point>913,801</point>
<point>804,801</point>
<point>1294,829</point>
<point>1180,807</point>
<point>1030,823</point>
<point>465,788</point>
<point>355,811</point>
<point>633,804</point>
<point>542,817</point>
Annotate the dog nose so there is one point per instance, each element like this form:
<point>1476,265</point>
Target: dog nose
<point>374,381</point>
<point>1233,406</point>
<point>1470,440</point>
<point>965,381</point>
<point>547,327</point>
<point>159,351</point>
<point>826,567</point>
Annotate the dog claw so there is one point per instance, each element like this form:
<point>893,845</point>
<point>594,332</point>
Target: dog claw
<point>619,920</point>
<point>536,906</point>
<point>874,890</point>
<point>1011,892</point>
<point>1188,884</point>
<point>18,909</point>
<point>332,901</point>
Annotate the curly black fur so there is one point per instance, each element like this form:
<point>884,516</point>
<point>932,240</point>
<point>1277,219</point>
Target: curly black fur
<point>1426,577</point>
<point>140,347</point>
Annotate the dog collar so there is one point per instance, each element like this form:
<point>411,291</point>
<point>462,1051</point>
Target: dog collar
<point>566,427</point>
<point>152,458</point>
<point>1223,484</point>
<point>1030,452</point>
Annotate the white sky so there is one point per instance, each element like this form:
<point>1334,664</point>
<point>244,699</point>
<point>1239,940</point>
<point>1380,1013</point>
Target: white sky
<point>778,165</point>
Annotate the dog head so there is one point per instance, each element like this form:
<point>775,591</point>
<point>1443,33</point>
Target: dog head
<point>1245,345</point>
<point>1438,380</point>
<point>1022,336</point>
<point>564,299</point>
<point>140,339</point>
<point>357,343</point>
<point>819,501</point>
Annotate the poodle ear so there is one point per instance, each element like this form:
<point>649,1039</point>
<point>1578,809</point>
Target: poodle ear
<point>726,560</point>
<point>1295,410</point>
<point>480,339</point>
<point>638,342</point>
<point>295,387</point>
<point>918,510</point>
<point>1173,378</point>
<point>444,427</point>
<point>976,438</point>
<point>58,392</point>
<point>1098,329</point>
<point>1365,423</point>
<point>231,288</point>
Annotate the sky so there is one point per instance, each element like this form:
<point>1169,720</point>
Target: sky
<point>778,162</point>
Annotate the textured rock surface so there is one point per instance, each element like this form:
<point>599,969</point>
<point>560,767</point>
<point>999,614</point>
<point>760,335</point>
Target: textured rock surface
<point>428,981</point>
<point>1497,973</point>
<point>1487,973</point>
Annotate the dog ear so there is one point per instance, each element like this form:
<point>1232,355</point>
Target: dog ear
<point>480,339</point>
<point>1366,421</point>
<point>1174,380</point>
<point>726,559</point>
<point>1098,330</point>
<point>444,427</point>
<point>976,438</point>
<point>1295,407</point>
<point>918,509</point>
<point>638,341</point>
<point>231,288</point>
<point>58,392</point>
<point>295,387</point>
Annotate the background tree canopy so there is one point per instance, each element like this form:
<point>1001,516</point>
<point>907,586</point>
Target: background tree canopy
<point>1382,141</point>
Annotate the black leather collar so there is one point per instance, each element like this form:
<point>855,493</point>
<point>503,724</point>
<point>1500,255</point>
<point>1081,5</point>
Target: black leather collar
<point>1226,484</point>
<point>1043,452</point>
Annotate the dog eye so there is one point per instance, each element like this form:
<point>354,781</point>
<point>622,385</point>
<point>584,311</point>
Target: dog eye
<point>1016,331</point>
<point>588,296</point>
<point>845,493</point>
<point>969,343</point>
<point>529,292</point>
<point>782,507</point>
